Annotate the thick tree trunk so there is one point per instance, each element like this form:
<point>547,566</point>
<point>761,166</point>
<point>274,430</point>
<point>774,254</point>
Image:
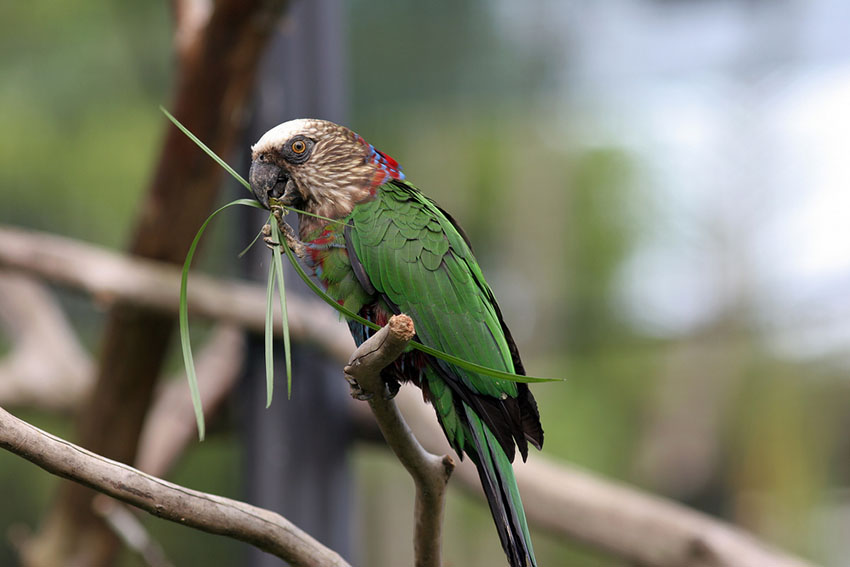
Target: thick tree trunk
<point>219,46</point>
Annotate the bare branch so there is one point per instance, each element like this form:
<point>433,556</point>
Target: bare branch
<point>129,528</point>
<point>560,498</point>
<point>170,424</point>
<point>110,277</point>
<point>430,473</point>
<point>214,514</point>
<point>38,328</point>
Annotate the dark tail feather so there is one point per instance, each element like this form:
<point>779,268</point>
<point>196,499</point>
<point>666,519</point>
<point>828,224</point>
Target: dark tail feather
<point>497,479</point>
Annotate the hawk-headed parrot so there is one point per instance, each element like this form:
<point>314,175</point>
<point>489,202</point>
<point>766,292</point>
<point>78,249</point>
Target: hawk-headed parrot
<point>396,251</point>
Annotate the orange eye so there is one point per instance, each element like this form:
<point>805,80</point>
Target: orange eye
<point>299,147</point>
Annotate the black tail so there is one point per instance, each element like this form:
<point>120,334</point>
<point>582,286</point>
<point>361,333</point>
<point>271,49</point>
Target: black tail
<point>497,479</point>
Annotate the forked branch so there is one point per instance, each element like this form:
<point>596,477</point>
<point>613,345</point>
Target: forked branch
<point>430,472</point>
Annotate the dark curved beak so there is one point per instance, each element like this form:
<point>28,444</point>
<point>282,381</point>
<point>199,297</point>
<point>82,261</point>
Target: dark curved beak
<point>268,181</point>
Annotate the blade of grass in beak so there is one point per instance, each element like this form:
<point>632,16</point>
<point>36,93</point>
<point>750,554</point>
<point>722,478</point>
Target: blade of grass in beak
<point>256,238</point>
<point>270,336</point>
<point>183,316</point>
<point>465,364</point>
<point>278,268</point>
<point>204,147</point>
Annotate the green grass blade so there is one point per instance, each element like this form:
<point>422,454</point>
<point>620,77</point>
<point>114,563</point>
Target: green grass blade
<point>204,147</point>
<point>270,337</point>
<point>465,364</point>
<point>227,167</point>
<point>276,202</point>
<point>479,369</point>
<point>278,268</point>
<point>470,366</point>
<point>183,315</point>
<point>254,241</point>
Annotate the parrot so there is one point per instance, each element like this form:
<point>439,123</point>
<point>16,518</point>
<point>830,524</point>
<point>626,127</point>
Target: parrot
<point>379,247</point>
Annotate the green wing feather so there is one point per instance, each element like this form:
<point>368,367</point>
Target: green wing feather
<point>422,264</point>
<point>417,260</point>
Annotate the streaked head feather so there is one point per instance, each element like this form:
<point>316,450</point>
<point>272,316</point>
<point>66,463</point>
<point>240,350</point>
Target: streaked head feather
<point>341,170</point>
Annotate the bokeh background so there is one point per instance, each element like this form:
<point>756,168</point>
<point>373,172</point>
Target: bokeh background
<point>658,192</point>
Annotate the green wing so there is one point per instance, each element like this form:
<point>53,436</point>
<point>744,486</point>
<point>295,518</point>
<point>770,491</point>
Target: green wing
<point>416,258</point>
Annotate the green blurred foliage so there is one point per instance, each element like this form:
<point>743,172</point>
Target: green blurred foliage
<point>598,240</point>
<point>470,117</point>
<point>80,124</point>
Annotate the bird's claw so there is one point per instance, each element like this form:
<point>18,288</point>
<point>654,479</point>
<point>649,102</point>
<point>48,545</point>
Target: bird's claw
<point>391,388</point>
<point>267,237</point>
<point>356,391</point>
<point>288,234</point>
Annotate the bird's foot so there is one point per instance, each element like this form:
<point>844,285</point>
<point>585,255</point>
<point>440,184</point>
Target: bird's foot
<point>356,391</point>
<point>292,241</point>
<point>267,237</point>
<point>391,388</point>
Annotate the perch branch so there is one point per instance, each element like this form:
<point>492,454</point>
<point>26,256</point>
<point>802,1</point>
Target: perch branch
<point>430,473</point>
<point>214,514</point>
<point>567,508</point>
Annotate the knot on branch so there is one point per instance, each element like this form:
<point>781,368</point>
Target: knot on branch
<point>401,327</point>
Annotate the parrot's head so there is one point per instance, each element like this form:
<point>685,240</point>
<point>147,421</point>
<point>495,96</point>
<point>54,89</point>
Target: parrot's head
<point>317,166</point>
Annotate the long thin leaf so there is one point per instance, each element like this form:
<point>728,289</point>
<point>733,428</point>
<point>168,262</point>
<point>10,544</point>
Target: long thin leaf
<point>276,202</point>
<point>229,169</point>
<point>465,364</point>
<point>270,337</point>
<point>183,315</point>
<point>204,147</point>
<point>471,366</point>
<point>254,241</point>
<point>278,268</point>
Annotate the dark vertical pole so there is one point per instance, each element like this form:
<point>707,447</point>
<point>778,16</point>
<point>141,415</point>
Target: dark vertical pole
<point>296,452</point>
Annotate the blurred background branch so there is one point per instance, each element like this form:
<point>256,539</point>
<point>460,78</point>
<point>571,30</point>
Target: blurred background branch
<point>656,191</point>
<point>219,47</point>
<point>112,278</point>
<point>559,498</point>
<point>35,320</point>
<point>214,514</point>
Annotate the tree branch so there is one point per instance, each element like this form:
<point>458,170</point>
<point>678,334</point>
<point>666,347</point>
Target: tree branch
<point>430,473</point>
<point>214,514</point>
<point>560,498</point>
<point>170,424</point>
<point>37,325</point>
<point>217,60</point>
<point>112,278</point>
